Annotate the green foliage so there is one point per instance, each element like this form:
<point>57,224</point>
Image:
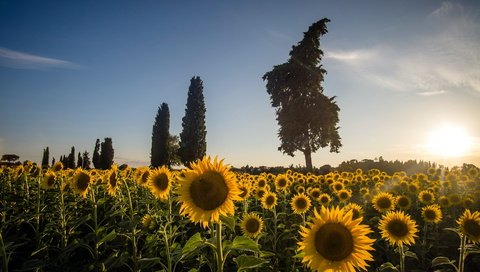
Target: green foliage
<point>307,118</point>
<point>160,154</point>
<point>193,143</point>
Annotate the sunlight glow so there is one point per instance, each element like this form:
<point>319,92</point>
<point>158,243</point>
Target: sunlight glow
<point>449,141</point>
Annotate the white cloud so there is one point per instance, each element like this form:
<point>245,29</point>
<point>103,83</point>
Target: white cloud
<point>16,59</point>
<point>444,57</point>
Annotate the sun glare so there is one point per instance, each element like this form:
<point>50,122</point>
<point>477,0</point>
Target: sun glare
<point>449,141</point>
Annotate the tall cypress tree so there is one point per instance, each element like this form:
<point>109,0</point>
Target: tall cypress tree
<point>53,161</point>
<point>45,158</point>
<point>193,143</point>
<point>106,154</point>
<point>71,158</point>
<point>160,135</point>
<point>96,155</point>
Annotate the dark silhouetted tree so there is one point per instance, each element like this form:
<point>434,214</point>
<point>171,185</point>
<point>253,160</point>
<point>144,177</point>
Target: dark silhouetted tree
<point>85,160</point>
<point>106,154</point>
<point>71,159</point>
<point>45,158</point>
<point>307,118</point>
<point>193,143</point>
<point>79,160</point>
<point>96,155</point>
<point>173,146</point>
<point>160,134</point>
<point>53,161</point>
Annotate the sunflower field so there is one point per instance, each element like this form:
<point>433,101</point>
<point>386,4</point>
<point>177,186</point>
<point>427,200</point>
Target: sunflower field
<point>209,218</point>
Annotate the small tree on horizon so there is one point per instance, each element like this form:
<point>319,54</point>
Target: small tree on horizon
<point>96,155</point>
<point>85,160</point>
<point>79,160</point>
<point>193,145</point>
<point>71,159</point>
<point>306,117</point>
<point>160,138</point>
<point>45,158</point>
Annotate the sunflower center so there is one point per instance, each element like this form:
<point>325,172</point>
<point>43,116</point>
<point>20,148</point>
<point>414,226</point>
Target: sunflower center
<point>161,182</point>
<point>252,225</point>
<point>82,181</point>
<point>343,195</point>
<point>209,191</point>
<point>427,197</point>
<point>397,228</point>
<point>334,241</point>
<point>472,228</point>
<point>270,200</point>
<point>430,214</point>
<point>113,179</point>
<point>243,191</point>
<point>315,194</point>
<point>324,199</point>
<point>301,203</point>
<point>384,203</point>
<point>50,181</point>
<point>355,214</point>
<point>403,202</point>
<point>282,182</point>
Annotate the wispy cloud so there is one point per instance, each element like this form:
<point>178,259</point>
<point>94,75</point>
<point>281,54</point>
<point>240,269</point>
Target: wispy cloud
<point>442,58</point>
<point>21,60</point>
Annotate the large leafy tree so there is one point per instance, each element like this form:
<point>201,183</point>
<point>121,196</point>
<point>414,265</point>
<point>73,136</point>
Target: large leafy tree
<point>106,154</point>
<point>307,118</point>
<point>160,154</point>
<point>193,143</point>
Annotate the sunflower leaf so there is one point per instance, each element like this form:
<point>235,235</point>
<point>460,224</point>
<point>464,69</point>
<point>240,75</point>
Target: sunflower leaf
<point>245,262</point>
<point>229,221</point>
<point>411,255</point>
<point>109,237</point>
<point>387,267</point>
<point>192,244</point>
<point>244,243</point>
<point>442,261</point>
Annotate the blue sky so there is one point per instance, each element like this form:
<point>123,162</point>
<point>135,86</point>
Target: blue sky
<point>75,71</point>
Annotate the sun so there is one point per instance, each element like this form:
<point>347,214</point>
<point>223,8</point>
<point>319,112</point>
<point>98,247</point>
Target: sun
<point>449,141</point>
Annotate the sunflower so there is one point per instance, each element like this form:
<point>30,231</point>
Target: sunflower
<point>356,209</point>
<point>48,180</point>
<point>57,166</point>
<point>281,182</point>
<point>269,200</point>
<point>112,181</point>
<point>344,195</point>
<point>324,199</point>
<point>426,197</point>
<point>398,228</point>
<point>383,202</point>
<point>261,182</point>
<point>455,199</point>
<point>404,202</point>
<point>207,191</point>
<point>300,203</point>
<point>251,225</point>
<point>141,175</point>
<point>260,192</point>
<point>160,182</point>
<point>337,186</point>
<point>444,202</point>
<point>469,224</point>
<point>148,222</point>
<point>244,191</point>
<point>432,214</point>
<point>335,242</point>
<point>80,182</point>
<point>315,193</point>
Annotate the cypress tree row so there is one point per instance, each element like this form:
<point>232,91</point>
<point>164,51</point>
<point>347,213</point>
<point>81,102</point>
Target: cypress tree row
<point>79,160</point>
<point>160,137</point>
<point>71,159</point>
<point>193,143</point>
<point>85,160</point>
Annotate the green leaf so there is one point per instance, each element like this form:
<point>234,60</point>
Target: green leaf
<point>411,255</point>
<point>299,255</point>
<point>248,262</point>
<point>452,229</point>
<point>266,254</point>
<point>387,267</point>
<point>109,237</point>
<point>192,244</point>
<point>244,243</point>
<point>229,221</point>
<point>472,248</point>
<point>442,261</point>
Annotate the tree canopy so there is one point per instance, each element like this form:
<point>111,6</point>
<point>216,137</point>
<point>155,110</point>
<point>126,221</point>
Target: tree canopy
<point>307,118</point>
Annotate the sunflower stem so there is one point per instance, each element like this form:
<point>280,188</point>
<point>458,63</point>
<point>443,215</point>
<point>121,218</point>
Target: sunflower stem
<point>37,217</point>
<point>219,247</point>
<point>95,224</point>
<point>4,254</point>
<point>133,237</point>
<point>63,223</point>
<point>167,246</point>
<point>402,257</point>
<point>461,259</point>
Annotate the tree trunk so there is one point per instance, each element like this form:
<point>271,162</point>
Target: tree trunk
<point>308,159</point>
